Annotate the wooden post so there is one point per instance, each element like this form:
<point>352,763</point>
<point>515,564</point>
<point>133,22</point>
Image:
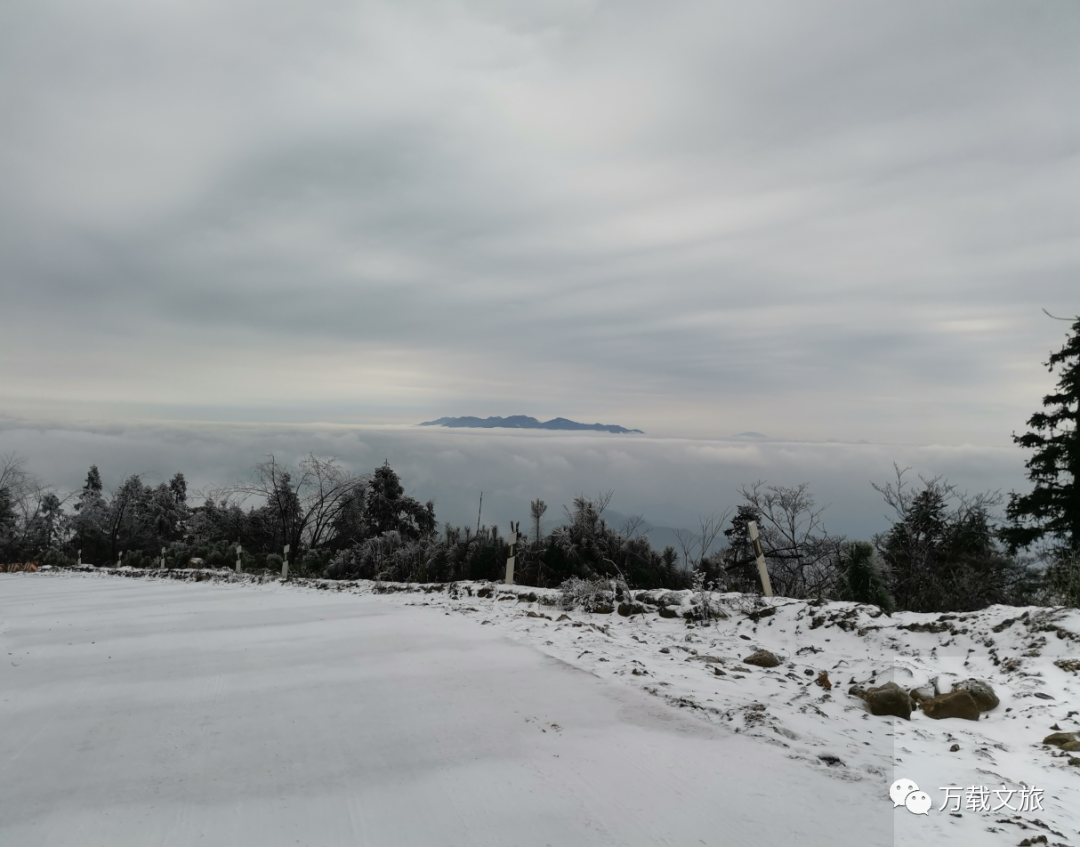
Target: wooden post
<point>510,562</point>
<point>285,564</point>
<point>763,571</point>
<point>239,563</point>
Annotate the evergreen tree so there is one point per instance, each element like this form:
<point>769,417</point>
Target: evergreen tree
<point>861,579</point>
<point>1051,512</point>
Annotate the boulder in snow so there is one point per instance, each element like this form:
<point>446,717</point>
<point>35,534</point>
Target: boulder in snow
<point>762,658</point>
<point>981,692</point>
<point>955,704</point>
<point>1060,739</point>
<point>888,699</point>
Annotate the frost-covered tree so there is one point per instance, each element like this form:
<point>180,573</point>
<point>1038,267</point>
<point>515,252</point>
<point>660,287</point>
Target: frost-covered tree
<point>942,552</point>
<point>861,578</point>
<point>1051,511</point>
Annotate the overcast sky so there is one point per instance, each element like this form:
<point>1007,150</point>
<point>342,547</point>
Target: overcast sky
<point>828,220</point>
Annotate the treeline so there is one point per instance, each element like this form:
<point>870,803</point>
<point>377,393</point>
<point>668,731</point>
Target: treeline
<point>943,551</point>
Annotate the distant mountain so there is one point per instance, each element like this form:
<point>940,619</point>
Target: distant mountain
<point>525,422</point>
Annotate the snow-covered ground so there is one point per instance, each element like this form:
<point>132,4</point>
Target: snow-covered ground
<point>156,712</point>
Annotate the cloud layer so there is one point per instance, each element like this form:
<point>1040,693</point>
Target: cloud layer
<point>670,481</point>
<point>835,220</point>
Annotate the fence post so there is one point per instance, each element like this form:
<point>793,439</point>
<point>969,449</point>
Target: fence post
<point>163,558</point>
<point>80,558</point>
<point>285,564</point>
<point>763,571</point>
<point>510,562</point>
<point>120,559</point>
<point>239,563</point>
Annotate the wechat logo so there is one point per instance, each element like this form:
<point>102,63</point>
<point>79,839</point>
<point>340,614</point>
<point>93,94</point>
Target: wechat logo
<point>905,792</point>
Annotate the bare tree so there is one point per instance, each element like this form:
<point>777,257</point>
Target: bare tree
<point>634,526</point>
<point>695,546</point>
<point>303,501</point>
<point>802,557</point>
<point>21,501</point>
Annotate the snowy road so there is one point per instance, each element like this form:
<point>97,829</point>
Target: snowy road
<point>137,712</point>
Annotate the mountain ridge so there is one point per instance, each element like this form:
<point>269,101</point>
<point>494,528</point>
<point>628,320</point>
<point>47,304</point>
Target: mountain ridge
<point>526,422</point>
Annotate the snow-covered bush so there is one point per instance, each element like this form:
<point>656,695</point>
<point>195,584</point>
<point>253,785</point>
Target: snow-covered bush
<point>586,594</point>
<point>704,600</point>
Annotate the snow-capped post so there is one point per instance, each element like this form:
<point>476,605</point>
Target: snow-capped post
<point>763,571</point>
<point>239,564</point>
<point>510,562</point>
<point>285,564</point>
<point>163,558</point>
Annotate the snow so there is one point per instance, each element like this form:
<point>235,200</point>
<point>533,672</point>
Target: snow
<point>151,711</point>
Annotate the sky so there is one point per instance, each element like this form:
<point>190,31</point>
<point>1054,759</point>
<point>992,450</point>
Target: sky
<point>830,221</point>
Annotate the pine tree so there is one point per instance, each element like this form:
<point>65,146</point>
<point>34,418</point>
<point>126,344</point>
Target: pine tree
<point>1051,512</point>
<point>861,579</point>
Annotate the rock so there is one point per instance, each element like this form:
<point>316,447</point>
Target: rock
<point>665,649</point>
<point>809,672</point>
<point>954,748</point>
<point>1072,665</point>
<point>923,692</point>
<point>856,691</point>
<point>955,704</point>
<point>484,592</point>
<point>981,692</point>
<point>628,609</point>
<point>603,609</point>
<point>1071,746</point>
<point>669,599</point>
<point>1059,738</point>
<point>667,612</point>
<point>888,699</point>
<point>761,613</point>
<point>562,617</point>
<point>1074,761</point>
<point>762,658</point>
<point>717,671</point>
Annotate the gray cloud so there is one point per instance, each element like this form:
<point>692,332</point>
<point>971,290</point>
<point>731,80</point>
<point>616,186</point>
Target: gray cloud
<point>835,220</point>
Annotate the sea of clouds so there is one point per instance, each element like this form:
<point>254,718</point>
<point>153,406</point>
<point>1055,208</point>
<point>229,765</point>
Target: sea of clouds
<point>670,481</point>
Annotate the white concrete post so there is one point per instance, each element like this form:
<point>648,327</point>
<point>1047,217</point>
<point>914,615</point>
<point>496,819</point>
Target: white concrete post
<point>163,558</point>
<point>763,571</point>
<point>510,561</point>
<point>80,558</point>
<point>239,563</point>
<point>120,559</point>
<point>285,564</point>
